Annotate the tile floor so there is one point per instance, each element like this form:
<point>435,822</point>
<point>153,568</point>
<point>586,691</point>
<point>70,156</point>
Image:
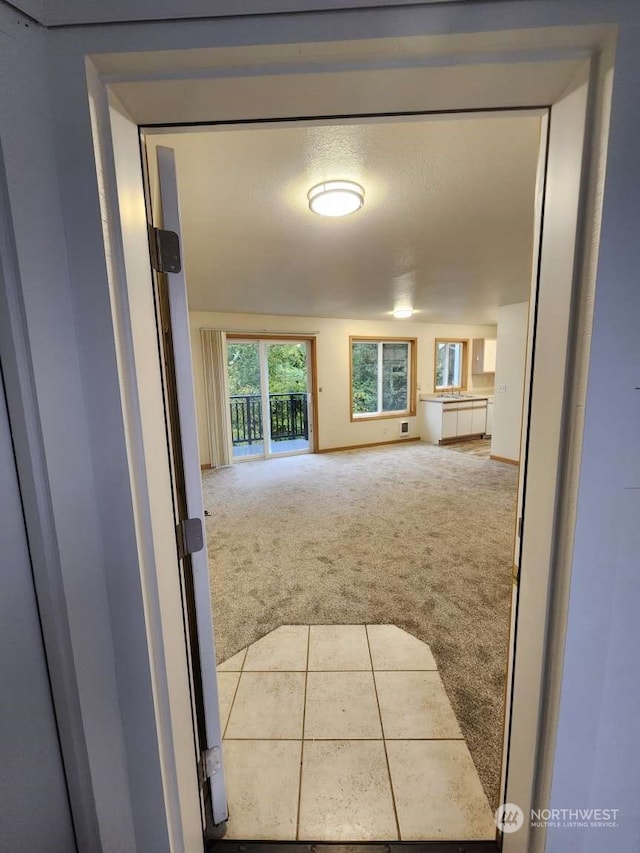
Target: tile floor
<point>345,733</point>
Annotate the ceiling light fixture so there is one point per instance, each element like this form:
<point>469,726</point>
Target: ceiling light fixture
<point>403,313</point>
<point>336,198</point>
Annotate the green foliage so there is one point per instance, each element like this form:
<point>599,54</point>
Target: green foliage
<point>243,368</point>
<point>365,365</point>
<point>449,356</point>
<point>364,373</point>
<point>287,365</point>
<point>441,352</point>
<point>287,368</point>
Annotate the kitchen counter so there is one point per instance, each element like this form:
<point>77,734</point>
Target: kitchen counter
<point>445,418</point>
<point>452,398</point>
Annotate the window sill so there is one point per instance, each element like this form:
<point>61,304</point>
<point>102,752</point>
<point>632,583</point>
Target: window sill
<point>385,416</point>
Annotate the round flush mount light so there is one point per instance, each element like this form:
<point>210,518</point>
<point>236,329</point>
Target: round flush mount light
<point>403,313</point>
<point>336,198</point>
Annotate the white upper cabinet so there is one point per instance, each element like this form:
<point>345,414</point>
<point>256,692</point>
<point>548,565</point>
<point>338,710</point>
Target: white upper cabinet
<point>483,355</point>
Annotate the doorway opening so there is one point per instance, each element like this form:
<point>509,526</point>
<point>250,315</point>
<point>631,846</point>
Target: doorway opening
<point>257,428</point>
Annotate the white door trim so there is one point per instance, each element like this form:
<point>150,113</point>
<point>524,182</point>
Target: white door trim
<point>543,460</point>
<point>555,527</point>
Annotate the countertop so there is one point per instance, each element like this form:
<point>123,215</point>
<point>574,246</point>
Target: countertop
<point>452,398</point>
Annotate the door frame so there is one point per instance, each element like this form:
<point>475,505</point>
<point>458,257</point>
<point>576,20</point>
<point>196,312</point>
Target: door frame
<point>312,384</point>
<point>579,283</point>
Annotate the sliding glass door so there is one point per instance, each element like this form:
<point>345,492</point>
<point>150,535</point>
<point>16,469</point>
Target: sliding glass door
<point>269,397</point>
<point>245,398</point>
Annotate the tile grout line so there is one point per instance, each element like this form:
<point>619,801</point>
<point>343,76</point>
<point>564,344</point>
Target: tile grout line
<point>276,671</point>
<point>235,693</point>
<point>384,742</point>
<point>304,713</point>
<point>358,739</point>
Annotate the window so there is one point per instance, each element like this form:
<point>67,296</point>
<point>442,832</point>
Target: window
<point>450,364</point>
<point>382,377</point>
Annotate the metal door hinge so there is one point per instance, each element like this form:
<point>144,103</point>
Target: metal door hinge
<point>165,250</point>
<point>190,537</point>
<point>210,763</point>
<point>520,528</point>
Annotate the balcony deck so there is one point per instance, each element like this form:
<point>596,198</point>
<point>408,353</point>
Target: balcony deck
<point>288,446</point>
<point>288,420</point>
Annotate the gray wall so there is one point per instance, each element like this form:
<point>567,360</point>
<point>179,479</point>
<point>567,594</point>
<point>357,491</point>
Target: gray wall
<point>34,808</point>
<point>75,561</point>
<point>45,129</point>
<point>597,762</point>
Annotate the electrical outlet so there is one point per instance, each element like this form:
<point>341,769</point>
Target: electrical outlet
<point>404,427</point>
<point>502,389</point>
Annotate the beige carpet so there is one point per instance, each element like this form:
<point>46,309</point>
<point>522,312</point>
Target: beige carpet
<point>414,535</point>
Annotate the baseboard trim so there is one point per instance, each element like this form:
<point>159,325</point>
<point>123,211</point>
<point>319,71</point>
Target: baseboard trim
<point>206,467</point>
<point>372,444</point>
<point>505,459</point>
<point>460,439</point>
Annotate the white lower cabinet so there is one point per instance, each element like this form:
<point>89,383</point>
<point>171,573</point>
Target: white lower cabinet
<point>465,422</point>
<point>449,423</point>
<point>479,420</point>
<point>442,421</point>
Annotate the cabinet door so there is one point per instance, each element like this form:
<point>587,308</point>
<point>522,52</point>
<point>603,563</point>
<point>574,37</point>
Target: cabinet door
<point>449,423</point>
<point>464,422</point>
<point>489,359</point>
<point>477,356</point>
<point>479,420</point>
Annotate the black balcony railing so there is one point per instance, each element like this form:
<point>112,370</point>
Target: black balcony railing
<point>287,412</point>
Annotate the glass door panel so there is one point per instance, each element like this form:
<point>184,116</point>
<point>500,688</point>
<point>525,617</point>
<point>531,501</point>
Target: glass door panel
<point>287,369</point>
<point>245,399</point>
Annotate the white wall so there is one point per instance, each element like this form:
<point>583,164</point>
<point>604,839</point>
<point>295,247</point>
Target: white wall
<point>334,401</point>
<point>513,321</point>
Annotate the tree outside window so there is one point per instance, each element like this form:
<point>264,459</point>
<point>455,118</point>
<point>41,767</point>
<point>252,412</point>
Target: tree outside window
<point>450,365</point>
<point>381,377</point>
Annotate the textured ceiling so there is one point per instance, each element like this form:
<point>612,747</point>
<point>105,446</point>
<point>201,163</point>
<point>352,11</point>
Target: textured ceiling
<point>447,223</point>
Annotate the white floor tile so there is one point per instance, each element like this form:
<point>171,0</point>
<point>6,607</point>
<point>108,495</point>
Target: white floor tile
<point>345,793</point>
<point>268,705</point>
<point>227,683</point>
<point>392,648</point>
<point>263,779</point>
<point>415,705</point>
<point>233,664</point>
<point>338,647</point>
<point>283,650</point>
<point>341,705</point>
<point>437,792</point>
